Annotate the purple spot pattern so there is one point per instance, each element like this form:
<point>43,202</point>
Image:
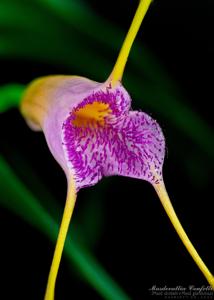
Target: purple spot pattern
<point>130,143</point>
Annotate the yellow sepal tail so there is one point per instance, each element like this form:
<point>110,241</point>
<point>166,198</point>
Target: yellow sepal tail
<point>67,214</point>
<point>119,66</point>
<point>164,198</point>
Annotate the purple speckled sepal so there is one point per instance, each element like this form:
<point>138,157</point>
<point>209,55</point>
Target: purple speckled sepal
<point>130,143</point>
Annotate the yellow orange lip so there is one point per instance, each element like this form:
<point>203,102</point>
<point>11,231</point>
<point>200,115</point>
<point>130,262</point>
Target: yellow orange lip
<point>92,114</point>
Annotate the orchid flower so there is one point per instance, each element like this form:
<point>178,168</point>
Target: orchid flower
<point>92,132</point>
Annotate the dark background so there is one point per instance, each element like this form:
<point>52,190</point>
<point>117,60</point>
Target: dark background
<point>136,242</point>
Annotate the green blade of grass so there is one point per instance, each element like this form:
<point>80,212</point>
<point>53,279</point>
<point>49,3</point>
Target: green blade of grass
<point>20,200</point>
<point>87,225</point>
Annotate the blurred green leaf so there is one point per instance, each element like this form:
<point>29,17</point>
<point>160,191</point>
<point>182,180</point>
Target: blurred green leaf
<point>10,96</point>
<point>20,200</point>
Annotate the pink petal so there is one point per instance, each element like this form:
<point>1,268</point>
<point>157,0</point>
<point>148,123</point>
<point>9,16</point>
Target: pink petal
<point>129,144</point>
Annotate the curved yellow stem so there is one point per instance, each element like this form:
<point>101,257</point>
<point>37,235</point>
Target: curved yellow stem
<point>68,210</point>
<point>119,66</point>
<point>164,198</point>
